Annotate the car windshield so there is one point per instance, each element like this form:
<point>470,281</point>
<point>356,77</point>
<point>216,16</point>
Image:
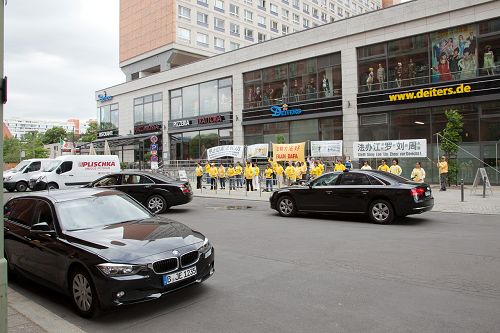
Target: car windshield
<point>21,166</point>
<point>51,166</point>
<point>99,210</point>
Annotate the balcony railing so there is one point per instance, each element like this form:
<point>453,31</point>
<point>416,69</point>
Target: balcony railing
<point>293,98</point>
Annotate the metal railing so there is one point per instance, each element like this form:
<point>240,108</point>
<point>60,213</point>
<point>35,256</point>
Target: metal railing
<point>292,98</point>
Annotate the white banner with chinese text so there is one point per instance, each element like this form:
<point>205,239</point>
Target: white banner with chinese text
<point>258,150</point>
<point>225,151</point>
<point>326,148</point>
<point>390,148</point>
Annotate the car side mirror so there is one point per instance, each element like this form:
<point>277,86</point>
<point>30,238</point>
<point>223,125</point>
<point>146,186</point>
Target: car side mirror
<point>42,228</point>
<point>58,171</point>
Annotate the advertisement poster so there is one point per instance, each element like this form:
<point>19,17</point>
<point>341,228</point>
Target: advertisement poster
<point>390,149</point>
<point>326,148</point>
<point>225,151</point>
<point>258,150</point>
<point>289,152</point>
<point>454,54</point>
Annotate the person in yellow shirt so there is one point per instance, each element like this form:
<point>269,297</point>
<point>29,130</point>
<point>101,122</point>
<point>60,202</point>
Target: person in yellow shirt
<point>339,166</point>
<point>230,173</point>
<point>298,170</point>
<point>321,166</point>
<point>303,170</point>
<point>290,174</point>
<point>383,166</point>
<point>249,173</point>
<point>315,171</point>
<point>274,165</point>
<point>213,176</point>
<point>395,169</point>
<point>222,177</point>
<point>268,173</point>
<point>256,177</point>
<point>207,171</point>
<point>238,173</point>
<point>418,173</point>
<point>443,173</point>
<point>199,175</point>
<point>279,175</point>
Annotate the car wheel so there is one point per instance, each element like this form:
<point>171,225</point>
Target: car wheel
<point>286,206</point>
<point>11,273</point>
<point>157,204</point>
<point>21,187</point>
<point>52,186</point>
<point>83,294</point>
<point>381,212</point>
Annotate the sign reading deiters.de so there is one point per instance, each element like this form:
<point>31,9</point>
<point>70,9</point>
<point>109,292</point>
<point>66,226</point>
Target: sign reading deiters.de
<point>390,148</point>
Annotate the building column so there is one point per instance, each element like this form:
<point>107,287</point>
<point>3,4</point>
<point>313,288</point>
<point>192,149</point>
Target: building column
<point>349,99</point>
<point>238,135</point>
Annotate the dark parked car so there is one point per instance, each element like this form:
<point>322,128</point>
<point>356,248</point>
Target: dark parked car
<point>381,195</point>
<point>155,191</point>
<point>102,248</point>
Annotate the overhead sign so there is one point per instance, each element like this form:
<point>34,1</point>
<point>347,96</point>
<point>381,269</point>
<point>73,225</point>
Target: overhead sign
<point>225,151</point>
<point>202,121</point>
<point>326,148</point>
<point>104,97</point>
<point>181,123</point>
<point>289,152</point>
<point>146,128</point>
<point>390,148</point>
<point>284,111</point>
<point>258,150</point>
<point>107,134</point>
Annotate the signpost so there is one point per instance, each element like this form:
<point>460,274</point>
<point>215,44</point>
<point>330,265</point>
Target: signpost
<point>153,148</point>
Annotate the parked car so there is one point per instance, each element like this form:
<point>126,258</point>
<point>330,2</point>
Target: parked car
<point>102,248</point>
<point>155,191</point>
<point>18,178</point>
<point>381,195</point>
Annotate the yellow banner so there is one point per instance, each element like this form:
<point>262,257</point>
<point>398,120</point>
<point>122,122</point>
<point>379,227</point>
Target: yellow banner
<point>289,152</point>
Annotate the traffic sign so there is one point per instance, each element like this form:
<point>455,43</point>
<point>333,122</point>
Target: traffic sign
<point>153,147</point>
<point>154,139</point>
<point>154,158</point>
<point>154,152</point>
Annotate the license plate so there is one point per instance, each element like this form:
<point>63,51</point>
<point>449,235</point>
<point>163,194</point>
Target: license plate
<point>427,193</point>
<point>178,276</point>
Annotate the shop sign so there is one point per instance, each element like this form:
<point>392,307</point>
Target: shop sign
<point>289,152</point>
<point>104,98</point>
<point>225,151</point>
<point>326,148</point>
<point>390,148</point>
<point>181,123</point>
<point>283,111</point>
<point>258,150</point>
<point>210,120</point>
<point>107,134</point>
<point>147,128</point>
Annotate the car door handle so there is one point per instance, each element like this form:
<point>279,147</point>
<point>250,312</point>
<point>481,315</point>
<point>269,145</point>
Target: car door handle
<point>328,192</point>
<point>71,175</point>
<point>365,192</point>
<point>147,186</point>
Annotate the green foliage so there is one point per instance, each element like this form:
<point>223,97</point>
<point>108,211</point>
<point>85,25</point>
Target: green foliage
<point>11,150</point>
<point>450,139</point>
<point>91,133</point>
<point>54,135</point>
<point>31,144</point>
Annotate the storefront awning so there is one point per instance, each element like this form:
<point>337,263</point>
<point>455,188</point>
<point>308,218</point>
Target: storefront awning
<point>119,141</point>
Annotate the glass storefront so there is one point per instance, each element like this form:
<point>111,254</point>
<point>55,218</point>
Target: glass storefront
<point>107,116</point>
<point>302,80</point>
<point>148,110</point>
<point>193,145</point>
<point>459,53</point>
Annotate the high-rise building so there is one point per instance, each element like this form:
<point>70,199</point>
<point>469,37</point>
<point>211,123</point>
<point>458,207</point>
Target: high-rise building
<point>159,35</point>
<point>19,127</point>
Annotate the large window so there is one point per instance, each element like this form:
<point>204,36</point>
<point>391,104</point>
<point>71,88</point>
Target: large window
<point>194,145</point>
<point>108,117</point>
<point>298,81</point>
<point>148,109</point>
<point>201,99</point>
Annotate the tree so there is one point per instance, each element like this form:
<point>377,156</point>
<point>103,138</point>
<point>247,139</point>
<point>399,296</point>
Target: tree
<point>11,150</point>
<point>450,139</point>
<point>91,133</point>
<point>54,135</point>
<point>32,145</point>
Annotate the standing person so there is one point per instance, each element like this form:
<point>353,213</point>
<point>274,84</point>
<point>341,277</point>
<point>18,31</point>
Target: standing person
<point>316,172</point>
<point>199,175</point>
<point>298,171</point>
<point>230,172</point>
<point>290,173</point>
<point>443,173</point>
<point>274,165</point>
<point>249,173</point>
<point>207,172</point>
<point>383,166</point>
<point>339,166</point>
<point>395,169</point>
<point>268,173</point>
<point>256,177</point>
<point>213,177</point>
<point>222,177</point>
<point>348,165</point>
<point>238,173</point>
<point>418,173</point>
<point>366,166</point>
<point>279,174</point>
<point>303,170</point>
<point>321,167</point>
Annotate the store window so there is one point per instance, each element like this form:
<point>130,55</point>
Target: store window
<point>303,130</point>
<point>148,109</point>
<point>107,116</point>
<point>193,145</point>
<point>490,122</point>
<point>408,62</point>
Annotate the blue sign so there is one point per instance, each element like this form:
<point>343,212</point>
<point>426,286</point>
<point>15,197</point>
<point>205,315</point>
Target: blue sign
<point>154,158</point>
<point>153,147</point>
<point>283,111</point>
<point>104,98</point>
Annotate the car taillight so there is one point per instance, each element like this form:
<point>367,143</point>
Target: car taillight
<point>185,189</point>
<point>417,192</point>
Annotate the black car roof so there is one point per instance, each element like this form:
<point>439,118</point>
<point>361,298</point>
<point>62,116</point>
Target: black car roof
<point>68,194</point>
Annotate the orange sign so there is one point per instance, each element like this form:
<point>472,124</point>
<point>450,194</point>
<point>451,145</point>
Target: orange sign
<point>289,152</point>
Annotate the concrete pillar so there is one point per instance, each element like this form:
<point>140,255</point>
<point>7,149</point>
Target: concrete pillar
<point>237,108</point>
<point>349,103</point>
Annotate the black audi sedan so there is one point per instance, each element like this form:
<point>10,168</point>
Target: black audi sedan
<point>155,191</point>
<point>102,248</point>
<point>381,195</point>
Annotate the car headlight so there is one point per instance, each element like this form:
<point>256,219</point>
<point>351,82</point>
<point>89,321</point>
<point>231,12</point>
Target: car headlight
<point>205,247</point>
<point>8,178</point>
<point>119,269</point>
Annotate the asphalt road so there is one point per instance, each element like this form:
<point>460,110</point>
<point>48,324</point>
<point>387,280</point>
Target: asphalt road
<point>430,273</point>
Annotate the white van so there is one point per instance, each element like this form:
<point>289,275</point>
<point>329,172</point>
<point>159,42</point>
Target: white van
<point>74,170</point>
<point>19,177</point>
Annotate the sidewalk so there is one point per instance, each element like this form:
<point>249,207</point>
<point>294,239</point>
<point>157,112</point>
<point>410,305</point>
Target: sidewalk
<point>24,315</point>
<point>448,201</point>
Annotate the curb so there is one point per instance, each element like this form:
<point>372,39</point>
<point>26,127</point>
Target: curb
<point>39,315</point>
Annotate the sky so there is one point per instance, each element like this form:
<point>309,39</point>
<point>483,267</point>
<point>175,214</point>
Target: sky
<point>57,54</point>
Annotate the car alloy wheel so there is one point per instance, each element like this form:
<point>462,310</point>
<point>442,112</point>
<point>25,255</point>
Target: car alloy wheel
<point>21,187</point>
<point>157,204</point>
<point>381,212</point>
<point>286,206</point>
<point>83,293</point>
<point>52,186</point>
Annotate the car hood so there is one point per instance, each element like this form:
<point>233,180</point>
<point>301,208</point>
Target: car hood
<point>130,241</point>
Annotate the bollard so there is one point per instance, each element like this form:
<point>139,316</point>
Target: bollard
<point>462,189</point>
<point>484,187</point>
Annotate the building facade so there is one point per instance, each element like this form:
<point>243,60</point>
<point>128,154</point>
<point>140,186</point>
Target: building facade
<point>19,127</point>
<point>389,74</point>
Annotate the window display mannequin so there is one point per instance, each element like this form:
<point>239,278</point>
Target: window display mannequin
<point>284,93</point>
<point>472,43</point>
<point>489,60</point>
<point>270,94</point>
<point>381,76</point>
<point>453,60</point>
<point>444,68</point>
<point>258,96</point>
<point>369,80</point>
<point>399,74</point>
<point>412,71</point>
<point>467,65</point>
<point>311,89</point>
<point>251,97</point>
<point>462,44</point>
<point>326,86</point>
<point>295,91</point>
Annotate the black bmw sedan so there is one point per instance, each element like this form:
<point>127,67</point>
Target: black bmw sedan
<point>102,248</point>
<point>155,191</point>
<point>381,195</point>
